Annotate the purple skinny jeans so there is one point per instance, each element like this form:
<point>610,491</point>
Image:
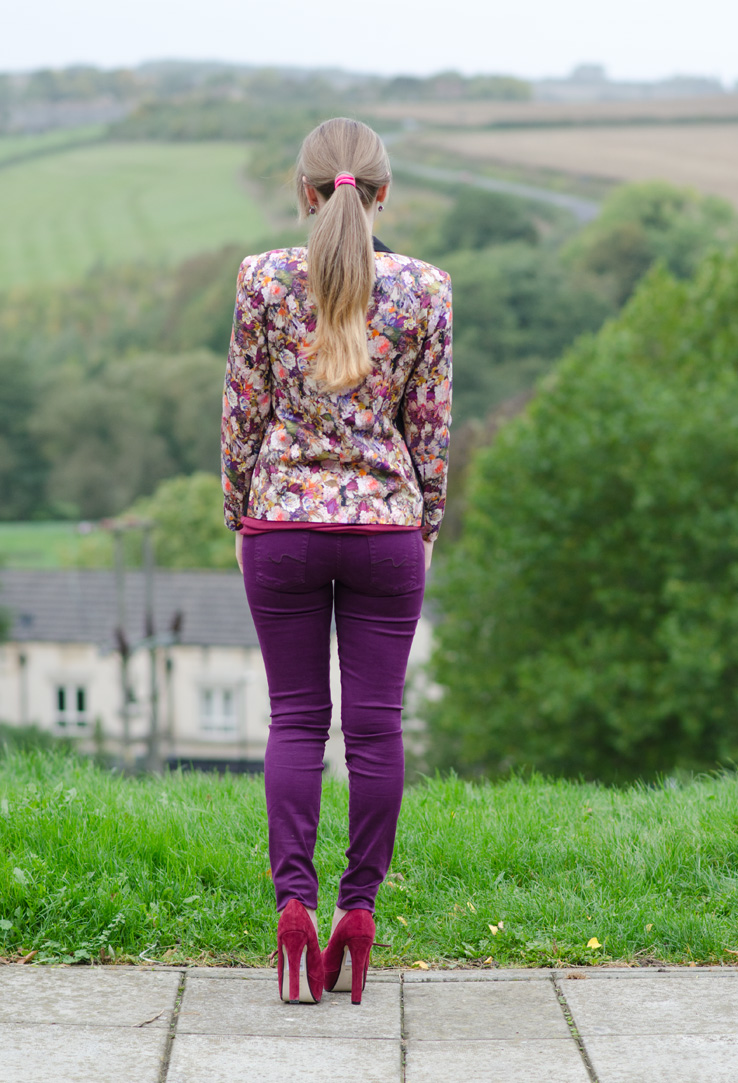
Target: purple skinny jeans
<point>294,581</point>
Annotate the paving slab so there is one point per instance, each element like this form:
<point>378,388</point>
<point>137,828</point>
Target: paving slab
<point>238,973</point>
<point>553,1061</point>
<point>659,1005</point>
<point>80,1054</point>
<point>520,974</point>
<point>249,973</point>
<point>95,996</point>
<point>625,972</point>
<point>476,1011</point>
<point>254,1008</point>
<point>201,1058</point>
<point>689,1058</point>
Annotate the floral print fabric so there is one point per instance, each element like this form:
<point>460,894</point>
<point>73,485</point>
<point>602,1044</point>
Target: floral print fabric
<point>376,454</point>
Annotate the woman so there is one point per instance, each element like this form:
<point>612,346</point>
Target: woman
<point>334,448</point>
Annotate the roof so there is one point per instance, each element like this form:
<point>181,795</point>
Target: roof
<point>80,606</point>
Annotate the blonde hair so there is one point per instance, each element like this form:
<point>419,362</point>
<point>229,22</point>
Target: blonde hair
<point>340,250</point>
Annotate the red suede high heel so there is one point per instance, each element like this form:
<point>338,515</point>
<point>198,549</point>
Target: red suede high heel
<point>346,956</point>
<point>299,962</point>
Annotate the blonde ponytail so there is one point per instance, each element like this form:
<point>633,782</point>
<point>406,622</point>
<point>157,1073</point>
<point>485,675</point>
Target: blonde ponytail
<point>340,251</point>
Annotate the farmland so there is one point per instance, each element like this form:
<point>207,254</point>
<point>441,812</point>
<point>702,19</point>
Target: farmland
<point>480,114</point>
<point>702,156</point>
<point>94,206</point>
<point>567,146</point>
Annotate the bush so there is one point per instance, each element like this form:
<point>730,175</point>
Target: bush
<point>588,616</point>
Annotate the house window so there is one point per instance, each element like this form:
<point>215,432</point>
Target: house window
<point>71,707</point>
<point>218,710</point>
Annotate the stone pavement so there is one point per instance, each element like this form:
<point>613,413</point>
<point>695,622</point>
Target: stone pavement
<point>176,1025</point>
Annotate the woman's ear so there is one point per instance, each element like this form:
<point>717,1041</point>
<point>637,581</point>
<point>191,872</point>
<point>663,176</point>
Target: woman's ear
<point>382,193</point>
<point>310,193</point>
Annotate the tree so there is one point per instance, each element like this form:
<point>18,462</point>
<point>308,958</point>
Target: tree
<point>587,618</point>
<point>651,220</point>
<point>515,309</point>
<point>23,464</point>
<point>479,219</point>
<point>101,441</point>
<point>113,438</point>
<point>189,531</point>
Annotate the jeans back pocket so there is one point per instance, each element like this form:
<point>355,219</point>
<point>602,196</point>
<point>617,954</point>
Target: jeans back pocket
<point>397,562</point>
<point>280,559</point>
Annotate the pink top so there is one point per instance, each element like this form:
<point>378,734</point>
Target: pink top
<point>263,526</point>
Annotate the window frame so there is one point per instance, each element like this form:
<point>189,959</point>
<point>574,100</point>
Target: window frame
<point>72,712</point>
<point>219,721</point>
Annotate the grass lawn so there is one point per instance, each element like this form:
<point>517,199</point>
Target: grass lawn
<point>38,545</point>
<point>523,873</point>
<point>119,202</point>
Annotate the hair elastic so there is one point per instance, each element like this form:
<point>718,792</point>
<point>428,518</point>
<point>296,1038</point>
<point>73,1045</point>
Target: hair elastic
<point>344,178</point>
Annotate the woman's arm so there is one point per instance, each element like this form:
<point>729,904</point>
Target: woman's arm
<point>426,409</point>
<point>246,395</point>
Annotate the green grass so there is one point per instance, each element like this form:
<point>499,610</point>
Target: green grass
<point>97,206</point>
<point>176,868</point>
<point>38,545</point>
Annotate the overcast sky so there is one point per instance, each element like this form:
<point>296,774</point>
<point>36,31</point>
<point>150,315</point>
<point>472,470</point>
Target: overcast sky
<point>634,39</point>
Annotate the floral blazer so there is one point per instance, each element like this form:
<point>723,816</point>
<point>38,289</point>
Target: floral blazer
<point>376,454</point>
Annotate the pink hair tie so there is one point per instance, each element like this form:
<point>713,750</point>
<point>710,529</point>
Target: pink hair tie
<point>344,178</point>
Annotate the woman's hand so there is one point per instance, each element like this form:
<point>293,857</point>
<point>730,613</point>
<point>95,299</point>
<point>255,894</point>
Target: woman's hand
<point>239,552</point>
<point>428,546</point>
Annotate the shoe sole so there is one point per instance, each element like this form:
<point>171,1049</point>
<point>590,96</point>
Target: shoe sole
<point>343,981</point>
<point>305,997</point>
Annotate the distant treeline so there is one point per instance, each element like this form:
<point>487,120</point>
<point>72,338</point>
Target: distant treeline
<point>202,88</point>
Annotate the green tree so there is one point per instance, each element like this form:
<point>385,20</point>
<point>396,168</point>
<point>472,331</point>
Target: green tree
<point>189,531</point>
<point>479,219</point>
<point>100,438</point>
<point>113,437</point>
<point>587,618</point>
<point>651,220</point>
<point>23,464</point>
<point>515,309</point>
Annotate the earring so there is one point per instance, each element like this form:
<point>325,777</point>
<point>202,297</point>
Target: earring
<point>380,207</point>
<point>312,210</point>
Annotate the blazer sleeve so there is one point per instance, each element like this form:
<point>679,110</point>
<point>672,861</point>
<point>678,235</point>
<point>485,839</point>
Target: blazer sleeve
<point>426,410</point>
<point>246,396</point>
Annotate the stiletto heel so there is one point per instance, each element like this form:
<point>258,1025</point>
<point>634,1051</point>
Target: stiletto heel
<point>293,946</point>
<point>299,962</point>
<point>346,956</point>
<point>359,949</point>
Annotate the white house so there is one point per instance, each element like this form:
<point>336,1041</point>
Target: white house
<point>69,657</point>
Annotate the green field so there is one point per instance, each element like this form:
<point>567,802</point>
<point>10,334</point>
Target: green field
<point>71,212</point>
<point>38,545</point>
